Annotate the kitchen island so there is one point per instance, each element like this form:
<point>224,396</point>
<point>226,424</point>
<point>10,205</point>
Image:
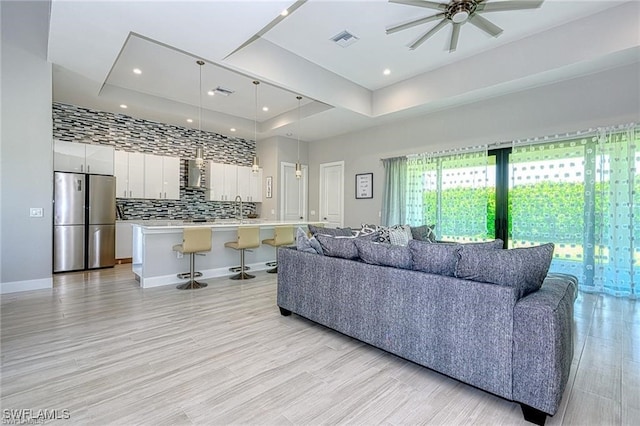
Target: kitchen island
<point>156,264</point>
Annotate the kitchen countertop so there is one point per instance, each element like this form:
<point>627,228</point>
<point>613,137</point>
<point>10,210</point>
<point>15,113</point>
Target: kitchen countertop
<point>168,224</point>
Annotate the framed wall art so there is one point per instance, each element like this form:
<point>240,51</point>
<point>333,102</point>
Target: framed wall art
<point>364,185</point>
<point>269,186</point>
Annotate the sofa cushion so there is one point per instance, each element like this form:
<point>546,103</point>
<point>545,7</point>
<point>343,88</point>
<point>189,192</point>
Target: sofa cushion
<point>487,245</point>
<point>306,244</point>
<point>522,268</point>
<point>346,232</point>
<point>434,258</point>
<point>384,254</point>
<point>424,233</point>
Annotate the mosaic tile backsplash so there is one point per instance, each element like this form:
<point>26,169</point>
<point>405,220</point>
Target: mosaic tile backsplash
<point>76,124</point>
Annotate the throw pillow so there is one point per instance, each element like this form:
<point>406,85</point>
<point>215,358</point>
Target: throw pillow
<point>424,233</point>
<point>338,246</point>
<point>384,254</point>
<point>365,230</point>
<point>399,235</point>
<point>330,231</point>
<point>522,268</point>
<point>382,231</point>
<point>306,244</point>
<point>434,258</point>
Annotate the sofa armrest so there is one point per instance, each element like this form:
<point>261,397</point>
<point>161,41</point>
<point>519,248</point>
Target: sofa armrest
<point>543,343</point>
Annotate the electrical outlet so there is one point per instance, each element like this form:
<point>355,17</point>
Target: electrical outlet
<point>36,212</point>
<point>179,255</point>
<point>313,212</point>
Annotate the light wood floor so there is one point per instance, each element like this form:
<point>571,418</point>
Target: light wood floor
<point>109,352</point>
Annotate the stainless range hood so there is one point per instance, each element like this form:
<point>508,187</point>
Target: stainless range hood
<point>194,171</point>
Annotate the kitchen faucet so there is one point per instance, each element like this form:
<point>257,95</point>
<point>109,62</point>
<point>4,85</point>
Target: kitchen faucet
<point>238,199</point>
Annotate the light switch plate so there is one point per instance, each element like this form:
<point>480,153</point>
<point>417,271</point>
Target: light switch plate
<point>36,212</point>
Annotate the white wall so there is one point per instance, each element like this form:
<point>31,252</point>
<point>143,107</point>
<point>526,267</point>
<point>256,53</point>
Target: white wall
<point>26,163</point>
<point>272,152</point>
<point>606,98</point>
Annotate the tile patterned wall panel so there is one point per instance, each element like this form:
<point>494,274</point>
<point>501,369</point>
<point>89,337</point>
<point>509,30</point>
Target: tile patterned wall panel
<point>76,124</point>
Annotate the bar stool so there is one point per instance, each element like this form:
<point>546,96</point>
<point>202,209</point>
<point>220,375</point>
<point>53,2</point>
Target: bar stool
<point>248,238</point>
<point>194,240</point>
<point>282,236</point>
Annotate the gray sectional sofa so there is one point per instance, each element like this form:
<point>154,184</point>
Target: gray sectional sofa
<point>508,340</point>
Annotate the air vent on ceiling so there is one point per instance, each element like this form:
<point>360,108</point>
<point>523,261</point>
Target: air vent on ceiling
<point>344,39</point>
<point>222,91</point>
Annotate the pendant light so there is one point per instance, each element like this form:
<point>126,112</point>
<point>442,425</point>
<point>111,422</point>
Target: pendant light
<point>199,148</point>
<point>255,167</point>
<point>298,165</point>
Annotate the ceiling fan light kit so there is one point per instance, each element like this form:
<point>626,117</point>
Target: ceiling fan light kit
<point>457,13</point>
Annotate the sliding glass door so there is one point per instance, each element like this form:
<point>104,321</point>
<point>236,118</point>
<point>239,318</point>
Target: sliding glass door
<point>579,193</point>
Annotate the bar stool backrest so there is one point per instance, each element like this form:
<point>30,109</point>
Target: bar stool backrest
<point>248,237</point>
<point>196,239</point>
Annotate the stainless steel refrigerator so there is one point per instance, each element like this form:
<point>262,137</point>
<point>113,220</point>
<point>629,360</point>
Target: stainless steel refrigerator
<point>84,221</point>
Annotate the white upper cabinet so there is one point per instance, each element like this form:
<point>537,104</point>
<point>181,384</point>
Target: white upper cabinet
<point>221,181</point>
<point>250,184</point>
<point>255,187</point>
<point>225,181</point>
<point>129,172</point>
<point>161,177</point>
<point>171,178</point>
<point>83,158</point>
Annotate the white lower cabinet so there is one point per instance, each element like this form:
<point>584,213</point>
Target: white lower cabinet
<point>124,240</point>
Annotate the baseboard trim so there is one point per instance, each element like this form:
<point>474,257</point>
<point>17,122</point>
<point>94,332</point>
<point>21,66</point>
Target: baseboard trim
<point>163,280</point>
<point>27,285</point>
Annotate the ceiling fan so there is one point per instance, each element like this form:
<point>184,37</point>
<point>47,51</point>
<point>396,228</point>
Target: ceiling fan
<point>458,12</point>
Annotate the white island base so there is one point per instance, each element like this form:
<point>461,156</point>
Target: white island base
<point>156,264</point>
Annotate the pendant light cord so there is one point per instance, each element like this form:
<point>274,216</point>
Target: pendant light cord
<point>201,63</point>
<point>299,98</point>
<point>255,121</point>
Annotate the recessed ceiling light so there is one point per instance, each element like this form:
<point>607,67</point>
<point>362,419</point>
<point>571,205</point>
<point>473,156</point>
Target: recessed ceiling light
<point>284,12</point>
<point>387,71</point>
<point>211,92</point>
<point>189,120</point>
<point>233,129</point>
<point>123,106</point>
<point>137,71</point>
<point>265,109</point>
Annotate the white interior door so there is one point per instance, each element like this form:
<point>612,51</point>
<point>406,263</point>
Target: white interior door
<point>332,194</point>
<point>293,193</point>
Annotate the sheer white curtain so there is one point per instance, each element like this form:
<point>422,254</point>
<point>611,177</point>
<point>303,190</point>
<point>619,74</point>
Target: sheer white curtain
<point>616,264</point>
<point>581,193</point>
<point>450,189</point>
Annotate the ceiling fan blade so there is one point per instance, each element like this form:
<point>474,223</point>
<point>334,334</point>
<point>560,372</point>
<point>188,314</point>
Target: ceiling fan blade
<point>485,25</point>
<point>420,3</point>
<point>429,33</point>
<point>509,5</point>
<point>404,26</point>
<point>454,37</point>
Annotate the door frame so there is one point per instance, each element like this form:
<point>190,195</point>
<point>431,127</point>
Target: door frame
<point>321,189</point>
